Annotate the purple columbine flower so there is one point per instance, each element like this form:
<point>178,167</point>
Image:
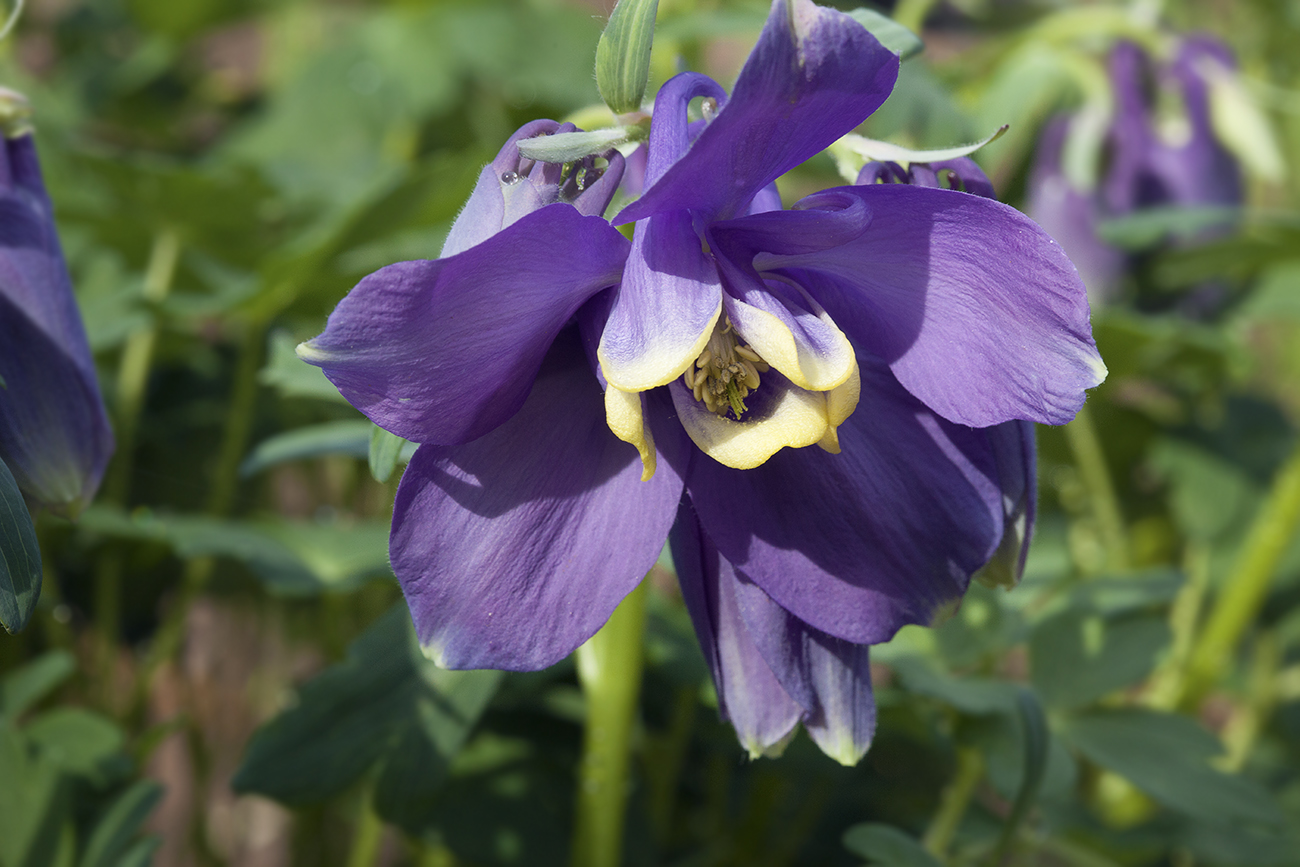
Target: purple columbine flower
<point>54,431</point>
<point>1155,158</point>
<point>831,403</point>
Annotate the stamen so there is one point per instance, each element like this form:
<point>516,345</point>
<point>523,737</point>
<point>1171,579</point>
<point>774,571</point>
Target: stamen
<point>726,372</point>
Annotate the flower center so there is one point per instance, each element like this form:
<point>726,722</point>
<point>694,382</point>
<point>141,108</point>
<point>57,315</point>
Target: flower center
<point>725,373</point>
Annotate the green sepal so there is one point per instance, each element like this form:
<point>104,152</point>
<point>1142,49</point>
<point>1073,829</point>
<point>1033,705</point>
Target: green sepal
<point>566,147</point>
<point>623,54</point>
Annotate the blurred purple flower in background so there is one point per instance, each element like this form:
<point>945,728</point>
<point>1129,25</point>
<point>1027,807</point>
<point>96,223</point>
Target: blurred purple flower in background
<point>54,430</point>
<point>911,332</point>
<point>1161,151</point>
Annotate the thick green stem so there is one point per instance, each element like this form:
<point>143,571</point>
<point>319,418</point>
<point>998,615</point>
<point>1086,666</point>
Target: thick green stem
<point>609,668</point>
<point>132,383</point>
<point>1242,595</point>
<point>953,803</point>
<point>367,835</point>
<point>1091,462</point>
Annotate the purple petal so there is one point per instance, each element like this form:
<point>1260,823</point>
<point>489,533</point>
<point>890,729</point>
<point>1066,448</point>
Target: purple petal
<point>888,532</point>
<point>664,309</point>
<point>814,75</point>
<point>514,549</point>
<point>511,187</point>
<point>1070,216</point>
<point>749,695</point>
<point>444,351</point>
<point>1016,455</point>
<point>829,677</point>
<point>972,177</point>
<point>976,309</point>
<point>54,430</point>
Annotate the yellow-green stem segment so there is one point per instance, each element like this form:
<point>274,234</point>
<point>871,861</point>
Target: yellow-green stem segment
<point>1081,434</point>
<point>1243,593</point>
<point>609,669</point>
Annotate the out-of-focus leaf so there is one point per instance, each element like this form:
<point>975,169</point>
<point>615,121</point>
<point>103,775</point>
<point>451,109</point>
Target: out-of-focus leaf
<point>1037,753</point>
<point>1148,227</point>
<point>24,687</point>
<point>293,559</point>
<point>20,556</point>
<point>1167,756</point>
<point>1128,592</point>
<point>969,694</point>
<point>1078,656</point>
<point>33,805</point>
<point>385,448</point>
<point>78,741</point>
<point>350,437</point>
<point>887,846</point>
<point>891,34</point>
<point>293,377</point>
<point>385,704</point>
<point>1208,495</point>
<point>112,838</point>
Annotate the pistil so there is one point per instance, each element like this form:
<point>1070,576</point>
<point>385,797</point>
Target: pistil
<point>726,372</point>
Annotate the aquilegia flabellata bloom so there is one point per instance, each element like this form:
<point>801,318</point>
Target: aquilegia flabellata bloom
<point>54,431</point>
<point>829,404</point>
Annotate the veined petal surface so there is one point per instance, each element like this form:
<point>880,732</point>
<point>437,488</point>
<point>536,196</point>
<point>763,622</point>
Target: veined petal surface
<point>515,548</point>
<point>976,309</point>
<point>814,75</point>
<point>749,693</point>
<point>665,308</point>
<point>886,533</point>
<point>828,676</point>
<point>444,351</point>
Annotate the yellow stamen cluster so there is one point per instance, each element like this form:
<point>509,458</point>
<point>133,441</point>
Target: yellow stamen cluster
<point>725,373</point>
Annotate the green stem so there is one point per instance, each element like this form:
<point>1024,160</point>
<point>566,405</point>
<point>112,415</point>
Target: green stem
<point>132,384</point>
<point>609,668</point>
<point>239,424</point>
<point>368,835</point>
<point>1091,462</point>
<point>953,803</point>
<point>1243,593</point>
<point>1168,682</point>
<point>912,13</point>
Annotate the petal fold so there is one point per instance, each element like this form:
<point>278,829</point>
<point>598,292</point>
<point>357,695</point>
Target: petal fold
<point>861,543</point>
<point>514,549</point>
<point>444,351</point>
<point>976,309</point>
<point>814,75</point>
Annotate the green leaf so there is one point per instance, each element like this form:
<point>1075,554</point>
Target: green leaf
<point>293,558</point>
<point>886,845</point>
<point>1078,656</point>
<point>1166,756</point>
<point>565,147</point>
<point>33,803</point>
<point>24,687</point>
<point>78,741</point>
<point>1148,227</point>
<point>1037,743</point>
<point>385,704</point>
<point>623,55</point>
<point>891,34</point>
<point>291,376</point>
<point>1208,495</point>
<point>385,449</point>
<point>20,556</point>
<point>350,437</point>
<point>969,694</point>
<point>111,840</point>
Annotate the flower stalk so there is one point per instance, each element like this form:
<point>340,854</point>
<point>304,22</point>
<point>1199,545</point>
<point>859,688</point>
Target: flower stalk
<point>609,669</point>
<point>1243,593</point>
<point>953,803</point>
<point>1085,445</point>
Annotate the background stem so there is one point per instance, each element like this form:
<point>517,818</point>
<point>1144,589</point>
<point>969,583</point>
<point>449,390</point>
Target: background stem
<point>609,668</point>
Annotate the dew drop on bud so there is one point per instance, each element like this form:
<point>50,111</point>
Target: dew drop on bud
<point>709,108</point>
<point>511,178</point>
